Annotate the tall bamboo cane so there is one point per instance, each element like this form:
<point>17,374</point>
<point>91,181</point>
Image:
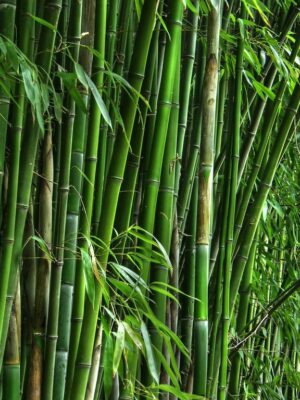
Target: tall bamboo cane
<point>88,187</point>
<point>205,201</point>
<point>255,210</point>
<point>9,235</point>
<point>235,144</point>
<point>72,225</point>
<point>42,272</point>
<point>267,128</point>
<point>136,75</point>
<point>7,21</point>
<point>62,203</point>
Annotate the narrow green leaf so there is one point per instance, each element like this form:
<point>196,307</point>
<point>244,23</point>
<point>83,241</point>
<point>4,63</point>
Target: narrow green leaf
<point>88,275</point>
<point>119,347</point>
<point>43,246</point>
<point>43,22</point>
<point>136,339</point>
<point>87,82</point>
<point>149,353</point>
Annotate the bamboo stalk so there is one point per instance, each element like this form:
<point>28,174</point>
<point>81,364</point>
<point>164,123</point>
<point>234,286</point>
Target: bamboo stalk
<point>28,153</point>
<point>255,210</point>
<point>42,272</point>
<point>188,303</point>
<point>115,177</point>
<point>7,21</point>
<point>235,144</point>
<point>88,189</point>
<point>205,202</point>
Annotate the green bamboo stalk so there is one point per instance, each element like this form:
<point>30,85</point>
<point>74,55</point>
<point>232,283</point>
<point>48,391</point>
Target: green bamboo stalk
<point>58,129</point>
<point>192,154</point>
<point>231,212</point>
<point>28,285</point>
<point>14,144</point>
<point>162,121</point>
<point>128,110</point>
<point>88,189</point>
<point>42,271</point>
<point>60,227</point>
<point>126,198</point>
<point>94,374</point>
<point>123,25</point>
<point>205,202</point>
<point>11,367</point>
<point>28,153</point>
<point>7,23</point>
<point>213,362</point>
<point>245,291</point>
<point>286,27</point>
<point>267,128</point>
<point>255,210</point>
<point>188,58</point>
<point>188,303</point>
<point>72,223</point>
<point>165,212</point>
<point>110,47</point>
<point>68,273</point>
<point>255,123</point>
<point>151,120</point>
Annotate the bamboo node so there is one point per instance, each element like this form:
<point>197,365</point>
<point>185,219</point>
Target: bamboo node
<point>84,365</point>
<point>116,178</point>
<point>52,338</point>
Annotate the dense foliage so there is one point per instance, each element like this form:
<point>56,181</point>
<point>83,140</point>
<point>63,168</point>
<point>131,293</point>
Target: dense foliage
<point>149,209</point>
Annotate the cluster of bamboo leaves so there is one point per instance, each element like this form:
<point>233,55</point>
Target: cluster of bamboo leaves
<point>149,209</point>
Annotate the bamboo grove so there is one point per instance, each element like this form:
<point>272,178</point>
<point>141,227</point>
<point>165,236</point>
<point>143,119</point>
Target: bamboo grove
<point>149,208</point>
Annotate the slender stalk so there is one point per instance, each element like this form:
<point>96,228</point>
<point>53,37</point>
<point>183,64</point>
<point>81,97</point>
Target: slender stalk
<point>72,224</point>
<point>9,235</point>
<point>188,303</point>
<point>245,291</point>
<point>88,188</point>
<point>115,177</point>
<point>126,198</point>
<point>7,22</point>
<point>193,154</point>
<point>205,202</point>
<point>188,59</point>
<point>267,128</point>
<point>235,144</point>
<point>255,210</point>
<point>11,367</point>
<point>28,152</point>
<point>42,271</point>
<point>165,211</point>
<point>60,227</point>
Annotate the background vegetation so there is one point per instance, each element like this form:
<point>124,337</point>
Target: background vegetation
<point>149,210</point>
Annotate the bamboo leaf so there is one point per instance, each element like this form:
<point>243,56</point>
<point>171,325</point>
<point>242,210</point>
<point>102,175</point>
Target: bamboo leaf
<point>164,292</point>
<point>57,101</point>
<point>178,393</point>
<point>43,246</point>
<point>149,353</point>
<point>173,377</point>
<point>163,24</point>
<point>136,339</point>
<point>69,81</point>
<point>88,275</point>
<point>119,347</point>
<point>86,81</point>
<point>43,22</point>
